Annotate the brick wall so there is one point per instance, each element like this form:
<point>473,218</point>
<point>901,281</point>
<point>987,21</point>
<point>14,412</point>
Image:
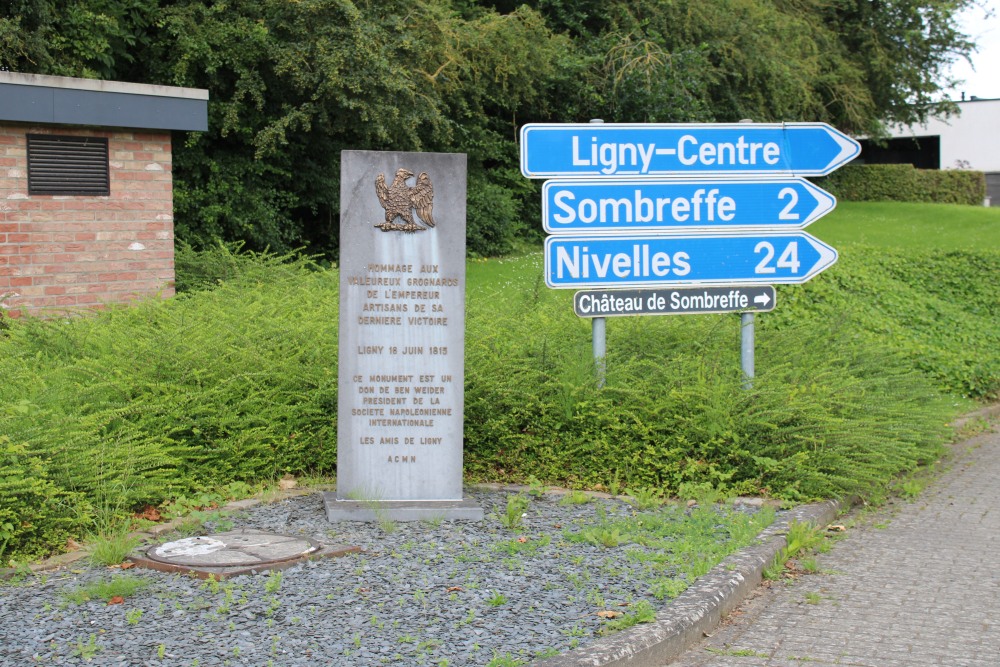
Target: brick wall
<point>68,252</point>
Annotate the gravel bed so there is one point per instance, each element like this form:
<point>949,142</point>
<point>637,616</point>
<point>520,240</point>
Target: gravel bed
<point>421,593</point>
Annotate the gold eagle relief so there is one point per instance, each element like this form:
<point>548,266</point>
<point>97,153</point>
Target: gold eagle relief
<point>401,201</point>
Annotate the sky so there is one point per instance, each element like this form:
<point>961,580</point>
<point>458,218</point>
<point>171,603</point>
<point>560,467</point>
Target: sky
<point>984,80</point>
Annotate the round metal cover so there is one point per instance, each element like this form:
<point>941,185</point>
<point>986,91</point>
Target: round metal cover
<point>236,548</point>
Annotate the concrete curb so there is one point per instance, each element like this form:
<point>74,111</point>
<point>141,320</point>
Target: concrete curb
<point>700,609</point>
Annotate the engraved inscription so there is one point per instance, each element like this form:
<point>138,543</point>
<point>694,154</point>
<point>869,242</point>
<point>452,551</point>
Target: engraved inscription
<point>397,400</point>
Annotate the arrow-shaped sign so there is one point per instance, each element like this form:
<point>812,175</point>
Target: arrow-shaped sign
<point>575,262</point>
<point>638,206</point>
<point>689,149</point>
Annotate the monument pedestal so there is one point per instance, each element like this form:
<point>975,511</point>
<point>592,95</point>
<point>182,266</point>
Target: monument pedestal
<point>401,370</point>
<point>401,510</point>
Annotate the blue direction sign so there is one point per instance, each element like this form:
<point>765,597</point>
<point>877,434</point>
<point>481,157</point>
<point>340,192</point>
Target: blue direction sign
<point>580,262</point>
<point>690,149</point>
<point>615,206</point>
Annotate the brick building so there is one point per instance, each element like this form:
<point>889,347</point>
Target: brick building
<point>86,196</point>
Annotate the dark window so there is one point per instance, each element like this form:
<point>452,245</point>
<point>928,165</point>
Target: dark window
<point>67,165</point>
<point>921,152</point>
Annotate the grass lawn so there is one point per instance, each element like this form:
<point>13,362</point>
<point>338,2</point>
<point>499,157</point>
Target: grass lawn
<point>906,225</point>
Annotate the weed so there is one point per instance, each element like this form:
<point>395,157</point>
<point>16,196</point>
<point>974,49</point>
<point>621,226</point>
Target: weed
<point>189,527</point>
<point>813,597</point>
<point>535,488</point>
<point>212,584</point>
<point>273,582</point>
<point>514,515</point>
<point>505,660</point>
<point>642,612</point>
<point>497,600</point>
<point>595,597</point>
<point>576,497</point>
<point>809,565</point>
<point>645,497</point>
<point>603,536</point>
<point>703,493</point>
<point>105,590</point>
<point>428,645</point>
<point>111,548</point>
<point>132,616</point>
<point>421,597</point>
<point>667,588</point>
<point>776,569</point>
<point>387,525</point>
<point>912,487</point>
<point>801,538</point>
<point>88,650</point>
<point>523,545</point>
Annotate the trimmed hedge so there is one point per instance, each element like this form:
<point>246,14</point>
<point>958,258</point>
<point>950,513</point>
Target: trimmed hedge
<point>903,182</point>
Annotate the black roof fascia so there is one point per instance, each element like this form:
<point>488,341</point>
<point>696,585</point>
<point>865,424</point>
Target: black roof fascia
<point>101,108</point>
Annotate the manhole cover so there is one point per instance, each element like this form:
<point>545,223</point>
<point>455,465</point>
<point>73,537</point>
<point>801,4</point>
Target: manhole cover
<point>233,549</point>
<point>234,552</point>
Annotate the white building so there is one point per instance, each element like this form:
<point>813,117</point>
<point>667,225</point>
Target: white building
<point>967,141</point>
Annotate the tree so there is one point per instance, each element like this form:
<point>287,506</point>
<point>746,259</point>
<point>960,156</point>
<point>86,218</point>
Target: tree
<point>294,83</point>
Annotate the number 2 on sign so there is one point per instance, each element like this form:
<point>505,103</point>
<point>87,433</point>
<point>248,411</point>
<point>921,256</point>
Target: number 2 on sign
<point>789,258</point>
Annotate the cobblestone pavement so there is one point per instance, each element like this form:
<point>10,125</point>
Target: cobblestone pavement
<point>912,585</point>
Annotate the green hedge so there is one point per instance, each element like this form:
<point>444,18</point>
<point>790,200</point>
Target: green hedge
<point>903,182</point>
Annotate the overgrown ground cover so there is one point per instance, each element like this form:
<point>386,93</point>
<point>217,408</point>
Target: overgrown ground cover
<point>234,382</point>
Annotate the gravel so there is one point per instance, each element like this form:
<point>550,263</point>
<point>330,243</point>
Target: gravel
<point>421,593</point>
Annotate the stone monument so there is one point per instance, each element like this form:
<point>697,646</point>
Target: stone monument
<point>402,338</point>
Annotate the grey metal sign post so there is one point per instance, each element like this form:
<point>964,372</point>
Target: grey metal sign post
<point>599,336</point>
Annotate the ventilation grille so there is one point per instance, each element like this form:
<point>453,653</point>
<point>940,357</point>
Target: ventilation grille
<point>68,165</point>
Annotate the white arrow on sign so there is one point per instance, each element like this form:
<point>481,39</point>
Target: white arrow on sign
<point>762,299</point>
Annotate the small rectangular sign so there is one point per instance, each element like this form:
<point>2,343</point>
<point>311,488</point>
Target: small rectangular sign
<point>598,150</point>
<point>675,301</point>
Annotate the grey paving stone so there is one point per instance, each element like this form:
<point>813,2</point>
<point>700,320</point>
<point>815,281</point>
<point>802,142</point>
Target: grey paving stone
<point>913,585</point>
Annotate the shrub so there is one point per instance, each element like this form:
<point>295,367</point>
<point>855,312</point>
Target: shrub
<point>36,516</point>
<point>239,383</point>
<point>162,399</point>
<point>902,182</point>
<point>937,309</point>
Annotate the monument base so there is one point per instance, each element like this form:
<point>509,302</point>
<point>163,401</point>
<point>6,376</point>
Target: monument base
<point>401,510</point>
